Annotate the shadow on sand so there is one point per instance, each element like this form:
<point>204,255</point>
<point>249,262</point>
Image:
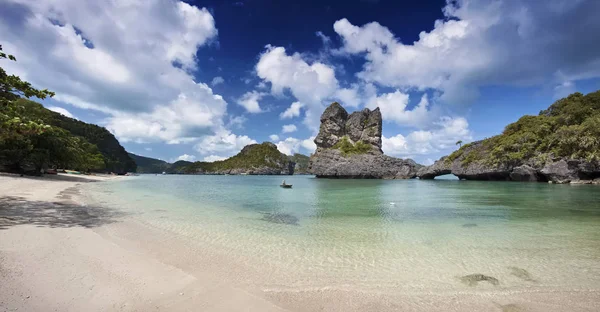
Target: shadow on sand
<point>64,214</point>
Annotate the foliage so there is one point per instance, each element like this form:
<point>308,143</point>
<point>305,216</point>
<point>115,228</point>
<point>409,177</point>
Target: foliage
<point>347,148</point>
<point>569,128</point>
<point>301,162</point>
<point>34,137</point>
<point>179,166</point>
<point>149,165</point>
<point>12,87</point>
<point>251,156</point>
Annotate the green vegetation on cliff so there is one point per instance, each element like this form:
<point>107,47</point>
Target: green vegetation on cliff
<point>153,165</point>
<point>252,156</point>
<point>348,148</point>
<point>301,162</point>
<point>569,128</point>
<point>149,165</point>
<point>33,137</point>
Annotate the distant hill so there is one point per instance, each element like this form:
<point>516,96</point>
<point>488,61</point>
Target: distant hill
<point>115,157</point>
<point>301,163</point>
<point>149,165</point>
<point>153,165</point>
<point>262,158</point>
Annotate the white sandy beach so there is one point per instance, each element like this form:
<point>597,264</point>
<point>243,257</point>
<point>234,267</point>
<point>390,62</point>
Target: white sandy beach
<point>59,255</point>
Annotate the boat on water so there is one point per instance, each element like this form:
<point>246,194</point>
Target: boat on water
<point>285,185</point>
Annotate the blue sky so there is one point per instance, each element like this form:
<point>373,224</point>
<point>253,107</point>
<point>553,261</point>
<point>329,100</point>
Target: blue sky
<point>198,80</point>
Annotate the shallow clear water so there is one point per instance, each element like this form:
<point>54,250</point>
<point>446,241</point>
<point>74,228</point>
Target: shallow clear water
<point>378,233</point>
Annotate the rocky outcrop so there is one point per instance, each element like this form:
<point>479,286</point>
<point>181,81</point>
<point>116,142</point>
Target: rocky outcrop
<point>559,145</point>
<point>349,146</point>
<point>553,170</point>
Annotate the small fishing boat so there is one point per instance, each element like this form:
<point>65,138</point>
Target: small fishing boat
<point>284,185</point>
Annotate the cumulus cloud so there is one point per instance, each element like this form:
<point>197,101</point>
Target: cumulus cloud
<point>186,157</point>
<point>236,122</point>
<point>217,81</point>
<point>349,96</point>
<point>274,137</point>
<point>149,95</point>
<point>250,101</point>
<point>223,143</point>
<point>292,111</point>
<point>444,135</point>
<point>213,158</point>
<point>290,146</point>
<point>482,43</point>
<point>187,117</point>
<point>314,85</point>
<point>310,84</point>
<point>394,108</point>
<point>288,128</point>
<point>60,110</point>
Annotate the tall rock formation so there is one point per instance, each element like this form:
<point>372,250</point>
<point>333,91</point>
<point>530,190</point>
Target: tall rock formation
<point>349,146</point>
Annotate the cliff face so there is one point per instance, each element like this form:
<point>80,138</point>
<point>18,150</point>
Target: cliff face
<point>560,145</point>
<point>556,170</point>
<point>349,146</point>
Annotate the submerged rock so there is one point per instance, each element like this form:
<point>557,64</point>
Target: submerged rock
<point>511,307</point>
<point>349,146</point>
<point>522,274</point>
<point>280,218</point>
<point>474,279</point>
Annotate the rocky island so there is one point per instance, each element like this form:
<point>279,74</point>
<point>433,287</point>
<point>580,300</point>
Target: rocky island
<point>349,146</point>
<point>560,145</point>
<point>253,159</point>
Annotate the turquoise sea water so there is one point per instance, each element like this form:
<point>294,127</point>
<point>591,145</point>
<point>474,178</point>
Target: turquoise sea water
<point>377,233</point>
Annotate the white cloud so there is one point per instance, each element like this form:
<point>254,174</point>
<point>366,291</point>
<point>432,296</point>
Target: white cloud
<point>443,136</point>
<point>310,84</point>
<point>149,149</point>
<point>292,111</point>
<point>250,101</point>
<point>217,81</point>
<point>223,143</point>
<point>213,158</point>
<point>289,128</point>
<point>563,89</point>
<point>290,146</point>
<point>186,157</point>
<point>274,137</point>
<point>60,110</point>
<point>481,43</point>
<point>393,108</point>
<point>146,96</point>
<point>187,117</point>
<point>349,97</point>
<point>236,122</point>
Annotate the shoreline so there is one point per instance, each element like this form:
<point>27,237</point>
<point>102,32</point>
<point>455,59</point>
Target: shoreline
<point>57,253</point>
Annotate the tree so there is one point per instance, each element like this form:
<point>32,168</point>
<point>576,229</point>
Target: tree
<point>459,143</point>
<point>26,140</point>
